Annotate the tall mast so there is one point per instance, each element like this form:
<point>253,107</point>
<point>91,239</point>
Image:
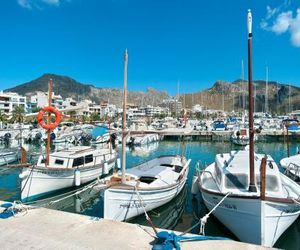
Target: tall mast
<point>252,187</point>
<point>266,96</point>
<point>124,117</point>
<point>50,85</point>
<point>243,78</point>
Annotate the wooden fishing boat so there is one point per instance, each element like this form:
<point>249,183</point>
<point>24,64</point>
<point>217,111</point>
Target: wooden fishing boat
<point>146,186</point>
<point>246,191</point>
<point>67,168</point>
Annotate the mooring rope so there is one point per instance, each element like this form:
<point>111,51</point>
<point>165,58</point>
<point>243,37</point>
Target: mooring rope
<point>204,219</point>
<point>145,212</point>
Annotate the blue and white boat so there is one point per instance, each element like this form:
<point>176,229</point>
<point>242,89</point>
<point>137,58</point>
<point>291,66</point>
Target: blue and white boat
<point>219,125</point>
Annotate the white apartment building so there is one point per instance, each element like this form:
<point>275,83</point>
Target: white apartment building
<point>197,109</point>
<point>69,102</point>
<point>41,100</point>
<point>9,100</point>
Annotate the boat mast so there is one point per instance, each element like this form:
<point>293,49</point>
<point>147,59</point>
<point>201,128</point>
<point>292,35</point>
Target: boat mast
<point>252,187</point>
<point>124,117</point>
<point>49,121</point>
<point>266,98</point>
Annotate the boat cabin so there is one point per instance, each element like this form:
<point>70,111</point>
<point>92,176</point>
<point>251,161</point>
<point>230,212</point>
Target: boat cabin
<point>76,157</point>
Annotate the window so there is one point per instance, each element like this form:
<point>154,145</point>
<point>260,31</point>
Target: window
<point>59,162</point>
<point>77,162</point>
<point>239,181</point>
<point>88,158</point>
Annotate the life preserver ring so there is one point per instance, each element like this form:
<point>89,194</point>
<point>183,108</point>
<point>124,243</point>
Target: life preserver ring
<point>49,109</point>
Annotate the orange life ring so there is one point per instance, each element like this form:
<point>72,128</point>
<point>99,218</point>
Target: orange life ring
<point>49,109</point>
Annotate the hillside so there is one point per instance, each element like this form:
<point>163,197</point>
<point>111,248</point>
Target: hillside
<point>234,96</point>
<point>222,95</point>
<point>68,87</point>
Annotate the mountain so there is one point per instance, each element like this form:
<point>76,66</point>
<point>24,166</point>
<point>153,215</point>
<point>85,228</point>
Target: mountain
<point>68,87</point>
<point>282,98</point>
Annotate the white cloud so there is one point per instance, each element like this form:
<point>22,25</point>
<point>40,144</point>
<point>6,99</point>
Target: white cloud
<point>52,2</point>
<point>271,12</point>
<point>283,22</point>
<point>25,4</point>
<point>38,4</point>
<point>295,30</point>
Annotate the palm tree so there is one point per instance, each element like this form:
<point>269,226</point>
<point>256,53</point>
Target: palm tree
<point>3,117</point>
<point>18,114</point>
<point>94,116</point>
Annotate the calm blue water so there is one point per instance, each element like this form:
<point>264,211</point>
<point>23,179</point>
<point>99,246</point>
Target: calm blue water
<point>182,212</point>
<point>99,131</point>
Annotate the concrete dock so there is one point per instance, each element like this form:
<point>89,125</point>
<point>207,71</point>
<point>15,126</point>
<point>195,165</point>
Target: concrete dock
<point>41,228</point>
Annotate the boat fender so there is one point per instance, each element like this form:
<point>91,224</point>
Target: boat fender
<point>105,168</point>
<point>119,163</point>
<point>24,174</point>
<point>195,188</point>
<point>77,177</point>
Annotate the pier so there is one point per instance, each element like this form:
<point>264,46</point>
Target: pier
<point>41,228</point>
<point>215,136</point>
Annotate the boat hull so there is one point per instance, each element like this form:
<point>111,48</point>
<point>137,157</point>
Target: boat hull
<point>123,204</point>
<point>7,158</point>
<point>38,182</point>
<point>253,220</point>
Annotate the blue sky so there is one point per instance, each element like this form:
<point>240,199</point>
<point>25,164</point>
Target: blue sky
<point>190,41</point>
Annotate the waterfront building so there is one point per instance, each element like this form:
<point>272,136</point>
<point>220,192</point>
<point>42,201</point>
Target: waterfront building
<point>173,104</point>
<point>9,100</point>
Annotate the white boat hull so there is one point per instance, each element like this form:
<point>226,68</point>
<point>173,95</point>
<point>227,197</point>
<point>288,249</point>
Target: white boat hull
<point>7,158</point>
<point>253,220</point>
<point>37,182</point>
<point>122,204</point>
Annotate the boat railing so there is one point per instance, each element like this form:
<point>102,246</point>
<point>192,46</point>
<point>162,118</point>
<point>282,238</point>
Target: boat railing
<point>295,168</point>
<point>203,171</point>
<point>213,178</point>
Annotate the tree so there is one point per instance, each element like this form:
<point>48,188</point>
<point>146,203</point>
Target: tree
<point>94,116</point>
<point>3,117</point>
<point>18,114</point>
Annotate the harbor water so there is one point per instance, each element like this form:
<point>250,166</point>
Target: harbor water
<point>181,213</point>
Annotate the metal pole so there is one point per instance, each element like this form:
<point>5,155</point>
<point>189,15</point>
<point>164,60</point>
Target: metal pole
<point>49,121</point>
<point>124,135</point>
<point>252,187</point>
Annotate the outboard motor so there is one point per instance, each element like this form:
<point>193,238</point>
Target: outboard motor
<point>7,137</point>
<point>52,136</point>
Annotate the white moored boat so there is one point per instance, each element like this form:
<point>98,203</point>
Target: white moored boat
<point>139,140</point>
<point>249,217</point>
<point>8,156</point>
<point>240,137</point>
<point>292,166</point>
<point>101,139</point>
<point>147,186</point>
<point>246,191</point>
<point>67,168</point>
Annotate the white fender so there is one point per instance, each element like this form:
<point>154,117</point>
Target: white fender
<point>24,174</point>
<point>119,163</point>
<point>195,187</point>
<point>77,177</point>
<point>105,168</point>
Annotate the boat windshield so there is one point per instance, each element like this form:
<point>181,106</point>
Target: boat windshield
<point>239,181</point>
